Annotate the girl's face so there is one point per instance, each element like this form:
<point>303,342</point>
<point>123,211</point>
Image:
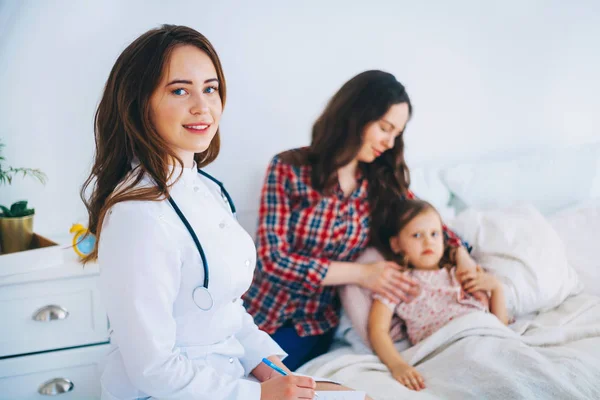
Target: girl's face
<point>186,106</point>
<point>380,135</point>
<point>421,241</point>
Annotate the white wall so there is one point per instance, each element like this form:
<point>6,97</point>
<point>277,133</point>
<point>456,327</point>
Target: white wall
<point>487,79</point>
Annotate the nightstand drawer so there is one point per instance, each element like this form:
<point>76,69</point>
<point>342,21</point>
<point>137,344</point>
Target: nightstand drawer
<point>51,315</point>
<point>75,373</point>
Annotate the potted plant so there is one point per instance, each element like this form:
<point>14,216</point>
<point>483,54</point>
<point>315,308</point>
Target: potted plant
<point>16,221</point>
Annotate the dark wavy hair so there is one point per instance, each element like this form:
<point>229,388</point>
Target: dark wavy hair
<point>394,218</point>
<point>337,137</point>
<point>123,128</point>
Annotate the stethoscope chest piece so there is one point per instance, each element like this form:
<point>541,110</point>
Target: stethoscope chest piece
<point>201,295</point>
<point>202,298</point>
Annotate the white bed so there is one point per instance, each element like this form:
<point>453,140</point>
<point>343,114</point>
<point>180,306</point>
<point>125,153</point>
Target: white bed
<point>552,353</point>
<point>476,357</point>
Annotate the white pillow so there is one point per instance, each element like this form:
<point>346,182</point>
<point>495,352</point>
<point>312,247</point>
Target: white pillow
<point>550,180</point>
<point>579,228</point>
<point>520,247</point>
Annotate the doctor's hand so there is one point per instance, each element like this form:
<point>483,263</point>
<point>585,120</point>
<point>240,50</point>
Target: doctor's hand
<point>290,387</point>
<point>387,279</point>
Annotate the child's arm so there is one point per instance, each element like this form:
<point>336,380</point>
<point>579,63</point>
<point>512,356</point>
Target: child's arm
<point>498,304</point>
<point>484,281</point>
<point>467,267</point>
<point>464,262</point>
<point>380,318</point>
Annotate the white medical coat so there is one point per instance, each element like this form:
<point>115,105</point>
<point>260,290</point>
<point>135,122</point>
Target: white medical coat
<point>162,345</point>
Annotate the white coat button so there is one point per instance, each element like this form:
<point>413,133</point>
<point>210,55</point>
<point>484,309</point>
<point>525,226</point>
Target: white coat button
<point>247,263</point>
<point>230,360</point>
<point>222,224</point>
<point>196,189</point>
<point>234,299</point>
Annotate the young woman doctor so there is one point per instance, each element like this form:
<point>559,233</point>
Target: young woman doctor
<point>174,261</point>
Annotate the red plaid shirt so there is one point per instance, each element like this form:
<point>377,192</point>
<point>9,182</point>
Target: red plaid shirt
<point>300,232</point>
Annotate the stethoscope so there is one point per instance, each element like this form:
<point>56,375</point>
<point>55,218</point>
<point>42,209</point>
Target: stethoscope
<point>201,295</point>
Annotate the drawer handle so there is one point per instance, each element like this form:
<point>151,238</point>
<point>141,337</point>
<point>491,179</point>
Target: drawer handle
<point>50,313</point>
<point>56,387</point>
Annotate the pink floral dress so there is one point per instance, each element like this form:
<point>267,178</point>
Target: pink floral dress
<point>440,301</point>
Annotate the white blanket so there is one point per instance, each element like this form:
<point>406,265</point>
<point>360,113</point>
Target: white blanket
<point>555,355</point>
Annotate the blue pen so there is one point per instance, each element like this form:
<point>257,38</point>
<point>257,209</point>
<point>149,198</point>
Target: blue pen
<point>276,368</point>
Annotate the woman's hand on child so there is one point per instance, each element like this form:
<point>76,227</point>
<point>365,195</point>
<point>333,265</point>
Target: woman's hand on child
<point>387,279</point>
<point>480,281</point>
<point>408,376</point>
<point>466,273</point>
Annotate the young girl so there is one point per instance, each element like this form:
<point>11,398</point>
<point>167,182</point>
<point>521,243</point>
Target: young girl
<point>412,236</point>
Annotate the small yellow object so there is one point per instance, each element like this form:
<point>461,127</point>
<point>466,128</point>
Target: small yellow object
<point>83,241</point>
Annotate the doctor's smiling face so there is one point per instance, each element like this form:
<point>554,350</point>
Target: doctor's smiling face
<point>186,106</point>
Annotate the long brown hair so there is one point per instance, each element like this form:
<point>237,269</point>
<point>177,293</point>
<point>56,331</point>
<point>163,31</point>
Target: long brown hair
<point>124,131</point>
<point>394,218</point>
<point>337,137</point>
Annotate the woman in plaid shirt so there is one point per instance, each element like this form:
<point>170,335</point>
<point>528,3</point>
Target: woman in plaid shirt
<point>316,207</point>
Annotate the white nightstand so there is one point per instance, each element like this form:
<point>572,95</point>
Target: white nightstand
<point>53,329</point>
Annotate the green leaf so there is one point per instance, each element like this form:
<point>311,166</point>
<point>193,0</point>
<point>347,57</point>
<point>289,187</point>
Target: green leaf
<point>18,207</point>
<point>36,173</point>
<point>17,210</point>
<point>5,212</point>
<point>7,173</point>
<point>25,213</point>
